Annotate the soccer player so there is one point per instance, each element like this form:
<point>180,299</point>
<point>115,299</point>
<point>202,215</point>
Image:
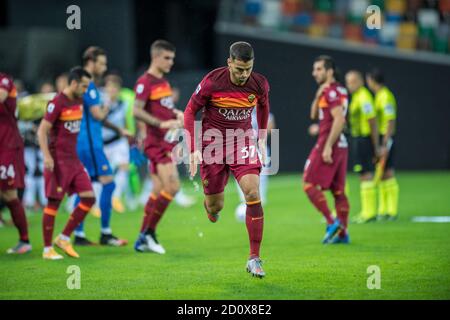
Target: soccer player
<point>154,107</point>
<point>386,110</point>
<point>63,171</point>
<point>90,147</point>
<point>326,166</point>
<point>227,96</point>
<point>12,166</point>
<point>364,132</point>
<point>116,146</point>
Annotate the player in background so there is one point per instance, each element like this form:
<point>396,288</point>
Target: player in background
<point>386,110</point>
<point>12,166</point>
<point>116,146</point>
<point>326,167</point>
<point>61,82</point>
<point>364,133</point>
<point>264,178</point>
<point>227,96</point>
<point>154,109</point>
<point>90,146</point>
<point>63,171</point>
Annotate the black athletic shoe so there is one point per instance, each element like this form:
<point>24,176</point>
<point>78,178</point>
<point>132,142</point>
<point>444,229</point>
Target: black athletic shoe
<point>111,240</point>
<point>82,241</point>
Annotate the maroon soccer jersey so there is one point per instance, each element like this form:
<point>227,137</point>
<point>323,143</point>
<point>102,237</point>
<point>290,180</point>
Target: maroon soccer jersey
<point>157,95</point>
<point>65,115</point>
<point>226,105</point>
<point>9,132</point>
<point>333,96</point>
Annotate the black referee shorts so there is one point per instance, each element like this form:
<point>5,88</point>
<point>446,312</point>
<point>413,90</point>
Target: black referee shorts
<point>362,155</point>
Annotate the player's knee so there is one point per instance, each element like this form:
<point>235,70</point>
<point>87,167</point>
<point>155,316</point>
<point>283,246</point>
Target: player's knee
<point>252,195</point>
<point>310,189</point>
<point>52,207</point>
<point>366,176</point>
<point>86,203</point>
<point>172,188</point>
<point>105,180</point>
<point>9,195</point>
<point>388,174</point>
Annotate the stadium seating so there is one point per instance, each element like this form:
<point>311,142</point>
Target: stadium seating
<point>406,25</point>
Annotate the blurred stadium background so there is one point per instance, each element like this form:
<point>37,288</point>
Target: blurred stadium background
<point>412,48</point>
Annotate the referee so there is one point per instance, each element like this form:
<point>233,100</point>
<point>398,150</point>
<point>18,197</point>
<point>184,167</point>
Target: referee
<point>386,113</point>
<point>364,133</point>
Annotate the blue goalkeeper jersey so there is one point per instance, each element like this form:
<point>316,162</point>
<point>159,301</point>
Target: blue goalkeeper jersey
<point>90,136</point>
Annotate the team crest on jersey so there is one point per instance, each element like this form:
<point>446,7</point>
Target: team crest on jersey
<point>59,189</point>
<point>5,81</point>
<point>251,98</point>
<point>205,182</point>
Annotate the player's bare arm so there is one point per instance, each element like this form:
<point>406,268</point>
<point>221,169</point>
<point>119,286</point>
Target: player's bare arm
<point>336,129</point>
<point>384,152</point>
<point>179,114</point>
<point>315,104</point>
<point>3,95</point>
<point>99,112</point>
<point>43,132</point>
<point>121,131</point>
<point>147,118</point>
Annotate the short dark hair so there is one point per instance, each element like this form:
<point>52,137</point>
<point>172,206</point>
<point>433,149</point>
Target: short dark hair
<point>376,75</point>
<point>328,62</point>
<point>242,51</point>
<point>77,73</point>
<point>92,53</point>
<point>162,45</point>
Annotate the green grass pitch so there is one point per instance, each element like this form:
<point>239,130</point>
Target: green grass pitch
<point>207,261</point>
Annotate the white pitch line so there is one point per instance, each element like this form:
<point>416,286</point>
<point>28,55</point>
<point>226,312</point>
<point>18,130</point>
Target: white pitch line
<point>439,219</point>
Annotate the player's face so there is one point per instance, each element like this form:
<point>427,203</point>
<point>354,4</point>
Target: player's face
<point>240,71</point>
<point>370,83</point>
<point>112,90</point>
<point>61,83</point>
<point>351,82</point>
<point>319,72</point>
<point>100,66</point>
<point>164,60</point>
<point>81,87</point>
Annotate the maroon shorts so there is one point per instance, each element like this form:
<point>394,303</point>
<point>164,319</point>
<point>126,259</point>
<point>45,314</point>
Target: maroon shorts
<point>215,172</point>
<point>12,169</point>
<point>158,155</point>
<point>69,178</point>
<point>327,176</point>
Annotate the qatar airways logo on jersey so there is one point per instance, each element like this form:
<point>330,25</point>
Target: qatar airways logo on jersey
<point>235,114</point>
<point>73,126</point>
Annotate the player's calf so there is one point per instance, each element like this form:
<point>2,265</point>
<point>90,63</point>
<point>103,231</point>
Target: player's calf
<point>319,201</point>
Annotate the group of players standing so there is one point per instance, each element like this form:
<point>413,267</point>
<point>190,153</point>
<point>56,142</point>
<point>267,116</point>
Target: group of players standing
<point>70,139</point>
<point>326,166</point>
